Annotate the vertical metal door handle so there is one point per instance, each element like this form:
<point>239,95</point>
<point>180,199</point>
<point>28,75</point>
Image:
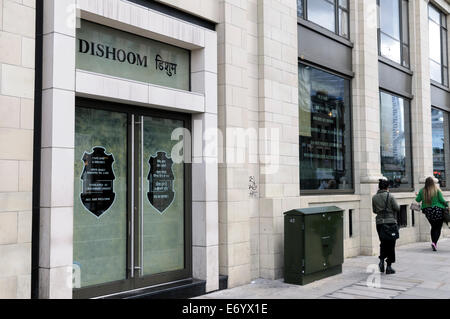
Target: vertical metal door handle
<point>132,200</point>
<point>141,237</point>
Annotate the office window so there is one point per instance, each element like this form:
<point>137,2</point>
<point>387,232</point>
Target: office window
<point>393,31</point>
<point>440,130</point>
<point>330,14</point>
<point>325,131</point>
<point>437,25</point>
<point>395,140</point>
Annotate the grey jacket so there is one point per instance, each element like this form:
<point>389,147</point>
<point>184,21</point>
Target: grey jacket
<point>378,204</point>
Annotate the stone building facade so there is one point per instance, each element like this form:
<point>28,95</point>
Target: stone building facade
<point>259,75</point>
<point>17,42</point>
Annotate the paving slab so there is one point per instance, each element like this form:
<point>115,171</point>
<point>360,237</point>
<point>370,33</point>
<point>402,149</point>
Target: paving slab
<point>430,293</point>
<point>341,295</point>
<point>420,274</point>
<point>367,293</point>
<point>385,286</point>
<point>405,296</point>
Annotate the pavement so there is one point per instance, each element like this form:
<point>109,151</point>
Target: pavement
<point>420,274</point>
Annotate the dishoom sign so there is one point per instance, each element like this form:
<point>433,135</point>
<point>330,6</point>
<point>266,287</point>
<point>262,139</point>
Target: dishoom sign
<point>101,49</point>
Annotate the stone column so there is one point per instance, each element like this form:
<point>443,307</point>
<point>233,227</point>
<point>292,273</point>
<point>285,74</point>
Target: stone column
<point>234,217</point>
<point>421,104</point>
<point>278,121</point>
<point>366,114</point>
<point>57,152</point>
<point>205,221</point>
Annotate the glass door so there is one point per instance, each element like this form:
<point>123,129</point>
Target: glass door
<point>132,219</point>
<point>161,234</point>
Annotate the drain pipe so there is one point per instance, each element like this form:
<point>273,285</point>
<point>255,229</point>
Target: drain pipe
<point>36,198</point>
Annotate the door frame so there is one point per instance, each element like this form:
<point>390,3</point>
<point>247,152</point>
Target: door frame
<point>129,283</point>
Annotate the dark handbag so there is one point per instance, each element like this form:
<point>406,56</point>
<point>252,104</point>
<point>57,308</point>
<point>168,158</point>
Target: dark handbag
<point>388,231</point>
<point>446,214</point>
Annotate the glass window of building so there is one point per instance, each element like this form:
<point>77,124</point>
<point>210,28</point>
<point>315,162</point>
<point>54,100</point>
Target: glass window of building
<point>330,14</point>
<point>438,45</point>
<point>325,131</point>
<point>395,140</point>
<point>393,31</point>
<point>440,130</point>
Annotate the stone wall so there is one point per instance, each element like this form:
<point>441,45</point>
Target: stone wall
<point>17,42</point>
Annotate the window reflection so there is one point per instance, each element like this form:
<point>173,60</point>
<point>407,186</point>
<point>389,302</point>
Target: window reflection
<point>300,8</point>
<point>322,13</point>
<point>395,140</point>
<point>393,30</point>
<point>330,14</point>
<point>437,28</point>
<point>435,42</point>
<point>437,121</point>
<point>325,132</point>
<point>390,48</point>
<point>390,18</point>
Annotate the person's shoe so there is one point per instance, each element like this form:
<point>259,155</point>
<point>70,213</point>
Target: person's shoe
<point>381,265</point>
<point>433,246</point>
<point>389,270</point>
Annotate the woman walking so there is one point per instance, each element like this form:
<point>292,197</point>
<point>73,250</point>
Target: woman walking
<point>385,206</point>
<point>433,206</point>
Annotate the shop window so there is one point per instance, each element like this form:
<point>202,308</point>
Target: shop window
<point>325,131</point>
<point>329,14</point>
<point>437,26</point>
<point>395,141</point>
<point>393,31</point>
<point>439,123</point>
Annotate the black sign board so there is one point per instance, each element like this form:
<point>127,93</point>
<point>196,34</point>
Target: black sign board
<point>98,181</point>
<point>161,191</point>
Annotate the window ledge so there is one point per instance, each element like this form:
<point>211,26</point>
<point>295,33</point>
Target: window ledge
<point>440,86</point>
<point>327,193</point>
<point>325,32</point>
<point>395,65</point>
<point>402,191</point>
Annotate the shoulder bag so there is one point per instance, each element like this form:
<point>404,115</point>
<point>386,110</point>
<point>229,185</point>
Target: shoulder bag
<point>446,215</point>
<point>415,206</point>
<point>388,231</point>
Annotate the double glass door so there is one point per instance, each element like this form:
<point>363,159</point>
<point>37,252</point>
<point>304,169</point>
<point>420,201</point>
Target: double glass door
<point>132,222</point>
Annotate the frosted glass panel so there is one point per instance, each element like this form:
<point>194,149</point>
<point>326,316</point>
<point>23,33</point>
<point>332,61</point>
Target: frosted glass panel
<point>100,199</point>
<point>163,194</point>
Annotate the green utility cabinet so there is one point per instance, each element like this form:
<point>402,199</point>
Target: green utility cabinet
<point>313,244</point>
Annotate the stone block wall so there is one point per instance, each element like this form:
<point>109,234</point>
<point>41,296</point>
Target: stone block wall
<point>17,42</point>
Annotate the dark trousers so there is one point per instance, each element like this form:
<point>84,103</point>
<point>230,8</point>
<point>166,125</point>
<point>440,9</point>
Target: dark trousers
<point>436,226</point>
<point>387,249</point>
<point>435,216</point>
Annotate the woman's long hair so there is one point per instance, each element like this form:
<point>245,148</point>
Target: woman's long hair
<point>430,190</point>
